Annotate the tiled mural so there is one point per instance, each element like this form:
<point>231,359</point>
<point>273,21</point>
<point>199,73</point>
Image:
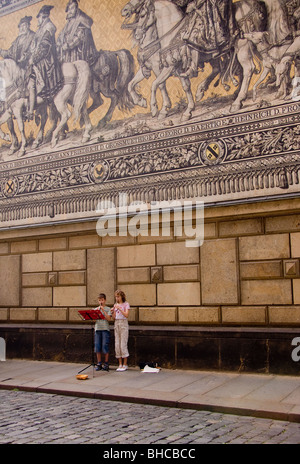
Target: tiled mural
<point>158,99</point>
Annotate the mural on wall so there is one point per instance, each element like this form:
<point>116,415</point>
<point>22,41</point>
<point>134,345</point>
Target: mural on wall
<point>161,99</point>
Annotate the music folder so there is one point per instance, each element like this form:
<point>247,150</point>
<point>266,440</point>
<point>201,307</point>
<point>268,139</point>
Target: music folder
<point>91,314</point>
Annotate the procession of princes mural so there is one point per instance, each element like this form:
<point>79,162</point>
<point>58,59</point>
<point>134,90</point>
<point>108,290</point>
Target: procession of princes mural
<point>226,57</point>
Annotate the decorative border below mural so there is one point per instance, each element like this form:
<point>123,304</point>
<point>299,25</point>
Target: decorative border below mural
<point>253,155</point>
<point>14,5</point>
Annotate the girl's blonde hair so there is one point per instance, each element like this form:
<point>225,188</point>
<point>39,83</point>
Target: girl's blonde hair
<point>121,294</point>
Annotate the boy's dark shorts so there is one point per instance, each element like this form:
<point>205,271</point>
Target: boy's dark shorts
<point>102,338</point>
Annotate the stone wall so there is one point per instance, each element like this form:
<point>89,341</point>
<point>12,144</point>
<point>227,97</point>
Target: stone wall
<point>245,273</point>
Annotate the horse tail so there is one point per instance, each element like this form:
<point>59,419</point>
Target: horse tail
<point>82,88</point>
<point>125,75</point>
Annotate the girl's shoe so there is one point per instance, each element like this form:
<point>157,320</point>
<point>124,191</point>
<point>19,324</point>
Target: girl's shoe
<point>122,368</point>
<point>99,367</point>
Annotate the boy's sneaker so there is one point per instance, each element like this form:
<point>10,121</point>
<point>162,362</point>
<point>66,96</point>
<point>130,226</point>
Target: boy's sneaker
<point>105,367</point>
<point>99,367</point>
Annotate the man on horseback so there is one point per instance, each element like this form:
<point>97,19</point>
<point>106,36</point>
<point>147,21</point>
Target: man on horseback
<point>215,25</point>
<point>45,74</point>
<point>19,50</point>
<point>75,42</point>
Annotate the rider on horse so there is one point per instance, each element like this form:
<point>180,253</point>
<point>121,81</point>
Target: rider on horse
<point>45,74</point>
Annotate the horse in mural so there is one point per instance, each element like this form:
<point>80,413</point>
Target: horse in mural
<point>176,50</point>
<point>155,30</point>
<point>179,48</point>
<point>111,74</point>
<point>14,106</point>
<point>263,38</point>
<point>75,90</point>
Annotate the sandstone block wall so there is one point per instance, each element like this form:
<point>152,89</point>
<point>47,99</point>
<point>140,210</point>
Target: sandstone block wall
<point>246,272</point>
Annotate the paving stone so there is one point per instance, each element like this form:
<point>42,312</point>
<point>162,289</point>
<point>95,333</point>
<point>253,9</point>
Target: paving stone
<point>29,417</point>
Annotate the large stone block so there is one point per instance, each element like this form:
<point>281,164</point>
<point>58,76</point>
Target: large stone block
<point>37,262</point>
<point>101,274</point>
<point>179,294</point>
<point>10,280</point>
<point>26,246</point>
<point>181,273</point>
<point>283,223</point>
<point>200,315</point>
<point>284,315</point>
<point>84,241</point>
<point>110,241</point>
<point>71,278</point>
<point>296,291</point>
<point>74,316</point>
<point>3,314</point>
<point>135,256</point>
<point>260,292</point>
<point>295,245</point>
<point>262,247</point>
<point>69,296</point>
<point>34,279</point>
<point>219,277</point>
<point>4,248</point>
<point>37,296</point>
<point>210,230</point>
<point>244,314</point>
<point>140,294</point>
<point>134,275</point>
<point>261,269</point>
<point>241,227</point>
<point>48,244</point>
<point>157,315</point>
<point>69,260</point>
<point>23,314</point>
<point>52,314</point>
<point>176,253</point>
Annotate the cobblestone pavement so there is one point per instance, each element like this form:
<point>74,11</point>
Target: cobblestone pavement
<point>28,417</point>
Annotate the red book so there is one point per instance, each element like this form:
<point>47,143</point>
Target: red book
<point>91,314</point>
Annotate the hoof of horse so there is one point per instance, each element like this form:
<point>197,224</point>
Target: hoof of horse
<point>86,138</point>
<point>162,115</point>
<point>142,102</point>
<point>36,144</point>
<point>21,152</point>
<point>154,111</point>
<point>102,123</point>
<point>280,96</point>
<point>235,107</point>
<point>186,116</point>
<point>199,95</point>
<point>13,150</point>
<point>53,143</point>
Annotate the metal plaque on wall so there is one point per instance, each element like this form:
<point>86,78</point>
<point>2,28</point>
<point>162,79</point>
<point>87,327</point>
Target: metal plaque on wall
<point>156,99</point>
